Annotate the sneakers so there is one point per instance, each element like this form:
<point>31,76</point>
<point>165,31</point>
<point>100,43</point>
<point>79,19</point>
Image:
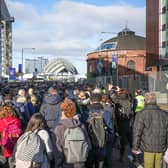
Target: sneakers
<point>130,158</point>
<point>140,166</point>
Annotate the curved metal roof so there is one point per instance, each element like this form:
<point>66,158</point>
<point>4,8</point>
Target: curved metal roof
<point>60,65</point>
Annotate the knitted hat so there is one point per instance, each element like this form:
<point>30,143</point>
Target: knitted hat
<point>68,107</point>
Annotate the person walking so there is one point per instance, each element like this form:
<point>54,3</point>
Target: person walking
<point>72,141</point>
<point>150,133</point>
<point>50,108</point>
<point>101,132</point>
<point>138,102</point>
<point>34,147</point>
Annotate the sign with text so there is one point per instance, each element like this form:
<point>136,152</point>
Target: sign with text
<point>12,73</point>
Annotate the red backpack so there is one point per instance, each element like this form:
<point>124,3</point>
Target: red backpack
<point>11,133</point>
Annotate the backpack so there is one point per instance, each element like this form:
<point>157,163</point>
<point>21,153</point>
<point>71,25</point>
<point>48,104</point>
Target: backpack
<point>124,110</point>
<point>76,147</point>
<point>30,147</point>
<point>96,129</point>
<point>11,133</point>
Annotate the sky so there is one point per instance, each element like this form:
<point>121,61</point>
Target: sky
<point>70,28</point>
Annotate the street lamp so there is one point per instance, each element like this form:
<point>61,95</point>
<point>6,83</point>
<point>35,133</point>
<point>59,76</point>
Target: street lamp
<point>117,48</point>
<point>23,57</point>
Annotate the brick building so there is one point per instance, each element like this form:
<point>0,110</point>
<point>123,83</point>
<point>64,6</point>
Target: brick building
<point>157,41</point>
<point>157,33</point>
<point>129,51</point>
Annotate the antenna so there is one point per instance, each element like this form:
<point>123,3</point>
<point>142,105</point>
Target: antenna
<point>126,24</point>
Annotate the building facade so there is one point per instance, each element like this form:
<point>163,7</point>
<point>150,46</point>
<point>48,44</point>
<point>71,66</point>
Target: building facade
<point>157,41</point>
<point>35,65</point>
<point>5,39</point>
<point>157,33</point>
<point>120,60</point>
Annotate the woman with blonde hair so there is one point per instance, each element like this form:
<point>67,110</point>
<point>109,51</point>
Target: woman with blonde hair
<point>10,130</point>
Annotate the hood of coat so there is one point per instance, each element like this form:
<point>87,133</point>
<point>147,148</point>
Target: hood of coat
<point>52,99</point>
<point>96,107</point>
<point>70,123</point>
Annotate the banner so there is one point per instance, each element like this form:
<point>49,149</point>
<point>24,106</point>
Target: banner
<point>12,73</point>
<point>100,67</point>
<point>114,61</point>
<point>20,68</point>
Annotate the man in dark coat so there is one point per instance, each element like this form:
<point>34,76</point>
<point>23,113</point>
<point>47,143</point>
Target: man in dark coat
<point>50,108</point>
<point>150,133</point>
<point>100,156</point>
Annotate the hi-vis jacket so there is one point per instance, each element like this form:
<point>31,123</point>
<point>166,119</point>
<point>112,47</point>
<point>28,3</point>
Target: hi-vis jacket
<point>140,103</point>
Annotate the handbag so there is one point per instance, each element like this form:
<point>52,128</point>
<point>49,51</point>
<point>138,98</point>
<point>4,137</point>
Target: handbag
<point>35,165</point>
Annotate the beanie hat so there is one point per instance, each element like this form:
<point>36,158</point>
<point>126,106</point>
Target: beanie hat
<point>68,107</point>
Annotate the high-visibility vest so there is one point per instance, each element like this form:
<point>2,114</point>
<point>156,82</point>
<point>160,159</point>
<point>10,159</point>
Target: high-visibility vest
<point>167,86</point>
<point>140,103</point>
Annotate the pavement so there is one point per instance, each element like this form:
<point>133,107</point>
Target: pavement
<point>116,163</point>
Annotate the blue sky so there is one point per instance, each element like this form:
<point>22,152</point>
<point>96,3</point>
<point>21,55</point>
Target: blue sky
<point>50,3</point>
<point>70,28</point>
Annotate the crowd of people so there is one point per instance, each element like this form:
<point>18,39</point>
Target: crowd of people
<point>57,125</point>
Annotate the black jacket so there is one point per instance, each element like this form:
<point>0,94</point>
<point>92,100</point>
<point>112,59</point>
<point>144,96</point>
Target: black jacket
<point>150,132</point>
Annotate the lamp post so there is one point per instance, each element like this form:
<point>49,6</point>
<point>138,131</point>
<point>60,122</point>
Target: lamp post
<point>117,48</point>
<point>23,57</point>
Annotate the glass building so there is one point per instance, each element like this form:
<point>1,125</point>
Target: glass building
<point>35,65</point>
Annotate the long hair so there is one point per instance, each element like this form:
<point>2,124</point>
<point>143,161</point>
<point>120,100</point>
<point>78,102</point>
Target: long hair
<point>6,111</point>
<point>36,122</point>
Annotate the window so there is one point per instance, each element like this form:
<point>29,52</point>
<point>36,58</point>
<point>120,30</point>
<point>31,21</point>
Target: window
<point>163,44</point>
<point>90,68</point>
<point>163,27</point>
<point>164,9</point>
<point>148,68</point>
<point>131,65</point>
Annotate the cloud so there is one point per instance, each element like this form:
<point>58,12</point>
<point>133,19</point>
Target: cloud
<point>70,28</point>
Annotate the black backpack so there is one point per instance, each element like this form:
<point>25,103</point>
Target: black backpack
<point>124,110</point>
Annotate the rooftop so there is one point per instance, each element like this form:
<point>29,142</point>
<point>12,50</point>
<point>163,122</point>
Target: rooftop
<point>125,40</point>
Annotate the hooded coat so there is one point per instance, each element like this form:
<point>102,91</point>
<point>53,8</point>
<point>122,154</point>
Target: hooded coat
<point>59,133</point>
<point>50,109</point>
